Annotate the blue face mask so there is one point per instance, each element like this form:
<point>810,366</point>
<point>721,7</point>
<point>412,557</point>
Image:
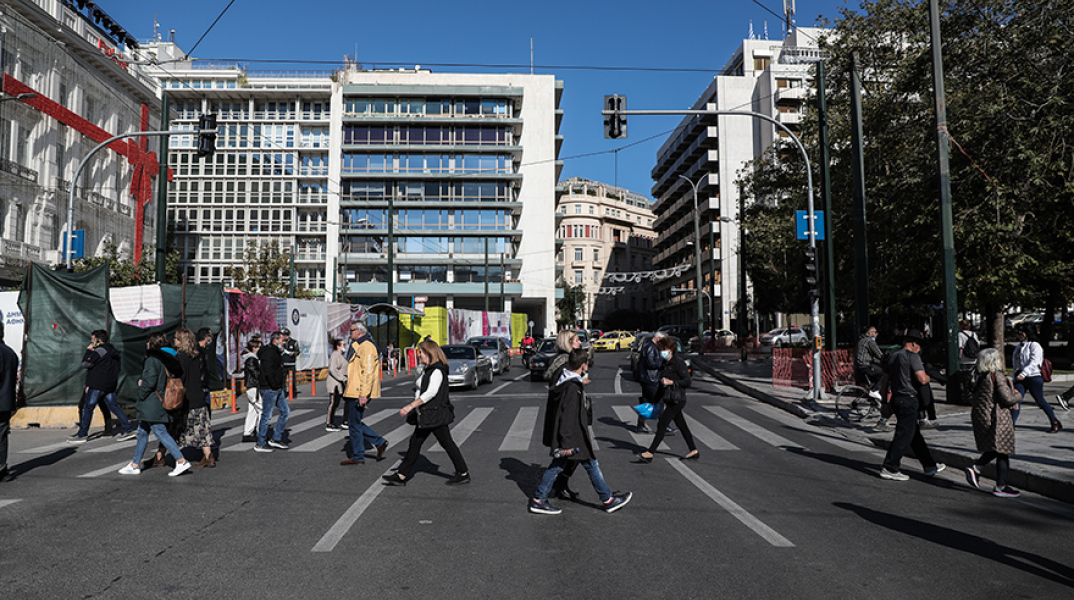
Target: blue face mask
<point>665,354</point>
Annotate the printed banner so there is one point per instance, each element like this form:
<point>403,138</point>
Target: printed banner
<point>14,324</point>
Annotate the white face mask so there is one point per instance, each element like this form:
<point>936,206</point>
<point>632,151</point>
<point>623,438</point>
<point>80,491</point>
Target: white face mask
<point>665,354</point>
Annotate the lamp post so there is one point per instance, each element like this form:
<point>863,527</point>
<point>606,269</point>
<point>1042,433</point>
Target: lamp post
<point>697,268</point>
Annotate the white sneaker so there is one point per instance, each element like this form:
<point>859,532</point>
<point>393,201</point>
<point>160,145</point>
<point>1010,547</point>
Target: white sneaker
<point>180,468</point>
<point>130,469</point>
<point>280,445</point>
<point>893,475</point>
<point>874,394</point>
<point>934,470</point>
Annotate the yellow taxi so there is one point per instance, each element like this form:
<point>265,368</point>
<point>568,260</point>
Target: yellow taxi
<point>614,340</point>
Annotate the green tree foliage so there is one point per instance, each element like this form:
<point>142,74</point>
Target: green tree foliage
<point>569,305</point>
<point>266,270</point>
<point>123,272</point>
<point>1009,85</point>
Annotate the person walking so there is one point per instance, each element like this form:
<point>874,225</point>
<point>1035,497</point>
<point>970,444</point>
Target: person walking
<point>867,360</point>
<point>9,373</point>
<point>1028,357</point>
<point>994,398</point>
<point>674,379</point>
<point>903,374</point>
<point>566,341</point>
<point>648,375</point>
<point>434,413</point>
<point>150,407</point>
<point>337,384</point>
<point>102,363</point>
<point>567,436</point>
<point>969,346</point>
<point>198,432</point>
<point>251,374</point>
<point>272,382</point>
<point>289,353</point>
<point>363,384</point>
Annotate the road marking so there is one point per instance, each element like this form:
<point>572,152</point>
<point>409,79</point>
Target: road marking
<point>131,443</point>
<point>106,470</point>
<point>707,436</point>
<point>521,377</point>
<point>464,428</point>
<point>4,503</point>
<point>619,381</point>
<point>753,429</point>
<point>241,446</point>
<point>827,437</point>
<point>770,535</point>
<point>399,434</point>
<point>518,437</point>
<point>628,416</point>
<point>328,542</point>
<point>494,390</point>
<point>47,448</point>
<point>332,437</point>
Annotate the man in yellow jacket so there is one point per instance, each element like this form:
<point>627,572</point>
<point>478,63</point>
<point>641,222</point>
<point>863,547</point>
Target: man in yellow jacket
<point>363,384</point>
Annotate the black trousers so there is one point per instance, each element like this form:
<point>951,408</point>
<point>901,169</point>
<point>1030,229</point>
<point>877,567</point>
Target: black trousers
<point>443,435</point>
<point>335,398</point>
<point>672,412</point>
<point>1003,464</point>
<point>907,435</point>
<point>5,430</point>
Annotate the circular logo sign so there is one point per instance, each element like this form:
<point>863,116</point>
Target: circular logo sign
<point>294,316</point>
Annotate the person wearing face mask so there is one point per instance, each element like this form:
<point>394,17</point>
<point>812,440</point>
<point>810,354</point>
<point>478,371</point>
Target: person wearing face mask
<point>674,379</point>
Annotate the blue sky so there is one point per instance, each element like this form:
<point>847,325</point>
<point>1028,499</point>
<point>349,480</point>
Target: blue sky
<point>695,38</point>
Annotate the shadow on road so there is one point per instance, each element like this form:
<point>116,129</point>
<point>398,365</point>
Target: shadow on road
<point>41,461</point>
<point>969,543</point>
<point>527,476</point>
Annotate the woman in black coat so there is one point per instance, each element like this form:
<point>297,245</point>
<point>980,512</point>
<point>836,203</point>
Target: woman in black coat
<point>151,413</point>
<point>674,379</point>
<point>434,414</point>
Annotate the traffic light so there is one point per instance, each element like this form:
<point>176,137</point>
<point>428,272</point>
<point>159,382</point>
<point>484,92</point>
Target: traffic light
<point>615,124</point>
<point>206,135</point>
<point>811,272</point>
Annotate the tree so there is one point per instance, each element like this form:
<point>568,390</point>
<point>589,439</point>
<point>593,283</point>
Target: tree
<point>124,273</point>
<point>570,305</point>
<point>266,270</point>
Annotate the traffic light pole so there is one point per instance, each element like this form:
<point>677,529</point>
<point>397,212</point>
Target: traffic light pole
<point>619,130</point>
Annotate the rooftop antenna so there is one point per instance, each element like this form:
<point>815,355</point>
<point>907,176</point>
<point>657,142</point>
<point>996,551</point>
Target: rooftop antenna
<point>156,26</point>
<point>788,10</point>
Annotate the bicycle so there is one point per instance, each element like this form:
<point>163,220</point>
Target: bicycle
<point>854,400</point>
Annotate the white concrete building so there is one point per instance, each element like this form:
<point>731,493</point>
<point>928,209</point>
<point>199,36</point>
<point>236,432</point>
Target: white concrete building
<point>458,170</point>
<point>70,66</point>
<point>765,76</point>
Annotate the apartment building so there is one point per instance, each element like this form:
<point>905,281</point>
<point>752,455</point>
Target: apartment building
<point>606,234</point>
<point>768,77</point>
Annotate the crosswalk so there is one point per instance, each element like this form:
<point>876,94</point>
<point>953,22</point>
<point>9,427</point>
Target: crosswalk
<point>713,427</point>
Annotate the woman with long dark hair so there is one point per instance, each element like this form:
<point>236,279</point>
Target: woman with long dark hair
<point>674,379</point>
<point>433,414</point>
<point>337,383</point>
<point>149,403</point>
<point>198,432</point>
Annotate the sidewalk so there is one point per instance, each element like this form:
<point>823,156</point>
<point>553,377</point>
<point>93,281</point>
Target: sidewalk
<point>1044,463</point>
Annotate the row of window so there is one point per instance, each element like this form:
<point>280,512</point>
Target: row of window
<point>439,107</point>
<point>312,279</point>
<point>233,192</point>
<point>430,191</point>
<point>426,163</point>
<point>377,244</point>
<point>580,231</point>
<point>240,219</point>
<point>229,111</point>
<point>249,136</point>
<point>459,136</point>
<point>467,220</point>
<point>428,273</point>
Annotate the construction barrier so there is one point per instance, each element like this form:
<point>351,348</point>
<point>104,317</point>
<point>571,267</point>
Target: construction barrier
<point>411,359</point>
<point>793,367</point>
<point>313,382</point>
<point>234,404</point>
<point>290,386</point>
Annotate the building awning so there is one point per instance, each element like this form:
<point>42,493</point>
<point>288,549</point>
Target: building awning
<point>385,307</point>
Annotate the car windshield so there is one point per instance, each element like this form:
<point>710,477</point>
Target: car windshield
<point>484,344</point>
<point>582,337</point>
<point>547,346</point>
<point>459,352</point>
<point>610,335</point>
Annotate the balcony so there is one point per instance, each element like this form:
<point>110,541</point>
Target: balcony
<point>18,170</point>
<point>14,253</point>
<point>796,94</point>
<point>789,118</point>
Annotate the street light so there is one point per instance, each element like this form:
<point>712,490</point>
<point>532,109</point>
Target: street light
<point>697,267</point>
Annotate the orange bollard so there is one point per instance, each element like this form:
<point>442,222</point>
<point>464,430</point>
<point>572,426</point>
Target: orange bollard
<point>234,404</point>
<point>290,386</point>
<point>313,382</point>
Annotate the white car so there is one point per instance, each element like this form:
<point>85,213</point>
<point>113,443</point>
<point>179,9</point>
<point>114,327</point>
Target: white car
<point>785,336</point>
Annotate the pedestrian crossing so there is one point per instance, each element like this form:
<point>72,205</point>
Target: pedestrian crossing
<point>514,429</point>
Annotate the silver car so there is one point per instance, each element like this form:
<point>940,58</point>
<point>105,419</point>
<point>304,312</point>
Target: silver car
<point>495,349</point>
<point>466,366</point>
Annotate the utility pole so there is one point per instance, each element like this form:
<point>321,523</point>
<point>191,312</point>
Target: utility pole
<point>826,193</point>
<point>861,249</point>
<point>697,270</point>
<point>391,248</point>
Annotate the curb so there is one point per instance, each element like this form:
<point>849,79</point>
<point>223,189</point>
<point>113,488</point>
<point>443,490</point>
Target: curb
<point>1019,478</point>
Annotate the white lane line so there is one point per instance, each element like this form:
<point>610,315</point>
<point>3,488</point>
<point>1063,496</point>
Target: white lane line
<point>518,437</point>
<point>106,470</point>
<point>628,416</point>
<point>328,542</point>
<point>619,381</point>
<point>242,446</point>
<point>4,503</point>
<point>399,434</point>
<point>707,436</point>
<point>131,443</point>
<point>593,438</point>
<point>522,376</point>
<point>753,429</point>
<point>770,535</point>
<point>461,431</point>
<point>334,437</point>
<point>47,448</point>
<point>824,436</point>
<point>496,389</point>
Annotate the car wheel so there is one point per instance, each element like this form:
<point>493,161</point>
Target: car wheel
<point>777,344</point>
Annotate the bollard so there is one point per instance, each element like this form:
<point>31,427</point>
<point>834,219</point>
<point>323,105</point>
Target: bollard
<point>290,386</point>
<point>234,404</point>
<point>313,382</point>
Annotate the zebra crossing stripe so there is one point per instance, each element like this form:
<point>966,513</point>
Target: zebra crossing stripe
<point>707,436</point>
<point>328,541</point>
<point>824,436</point>
<point>628,416</point>
<point>242,446</point>
<point>334,437</point>
<point>105,470</point>
<point>753,429</point>
<point>46,448</point>
<point>518,437</point>
<point>461,431</point>
<point>4,503</point>
<point>770,535</point>
<point>496,389</point>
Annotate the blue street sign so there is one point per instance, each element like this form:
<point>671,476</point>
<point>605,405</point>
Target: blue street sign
<point>801,224</point>
<point>78,249</point>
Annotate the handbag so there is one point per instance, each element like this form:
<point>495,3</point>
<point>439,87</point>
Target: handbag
<point>673,395</point>
<point>644,410</point>
<point>433,416</point>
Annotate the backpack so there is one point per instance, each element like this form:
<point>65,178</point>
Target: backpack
<point>174,392</point>
<point>1046,370</point>
<point>971,347</point>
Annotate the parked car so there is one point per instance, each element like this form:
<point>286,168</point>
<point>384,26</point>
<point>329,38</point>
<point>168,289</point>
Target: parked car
<point>467,366</point>
<point>785,336</point>
<point>583,336</point>
<point>724,339</point>
<point>494,348</point>
<point>614,340</point>
<point>683,332</point>
<point>546,349</point>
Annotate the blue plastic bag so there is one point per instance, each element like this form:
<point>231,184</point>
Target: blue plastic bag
<point>644,410</point>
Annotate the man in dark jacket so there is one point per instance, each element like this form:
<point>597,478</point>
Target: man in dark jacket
<point>568,437</point>
<point>9,371</point>
<point>289,351</point>
<point>101,362</point>
<point>272,381</point>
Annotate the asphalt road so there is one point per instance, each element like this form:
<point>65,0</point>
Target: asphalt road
<point>774,509</point>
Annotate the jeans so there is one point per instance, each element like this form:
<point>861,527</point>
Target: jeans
<point>5,431</point>
<point>558,464</point>
<point>362,436</point>
<point>443,435</point>
<point>91,402</point>
<point>907,435</point>
<point>253,411</point>
<point>270,399</point>
<point>1035,386</point>
<point>159,430</point>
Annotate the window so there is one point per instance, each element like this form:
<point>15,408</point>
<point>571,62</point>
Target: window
<point>760,64</point>
<point>577,209</point>
<point>596,256</point>
<point>578,254</point>
<point>578,276</point>
<point>592,210</point>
